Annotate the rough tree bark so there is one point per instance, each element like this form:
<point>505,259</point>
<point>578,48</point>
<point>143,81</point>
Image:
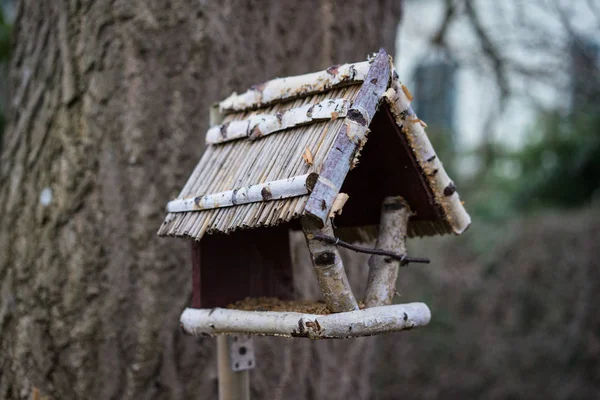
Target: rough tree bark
<point>107,96</point>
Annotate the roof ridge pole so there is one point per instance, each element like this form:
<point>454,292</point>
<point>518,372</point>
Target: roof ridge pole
<point>329,268</point>
<point>383,270</point>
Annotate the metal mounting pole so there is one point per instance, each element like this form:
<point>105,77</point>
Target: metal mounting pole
<point>235,357</point>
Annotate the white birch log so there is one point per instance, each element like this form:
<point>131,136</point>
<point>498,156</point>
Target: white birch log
<point>274,190</point>
<point>398,98</point>
<point>295,86</point>
<point>329,269</point>
<point>261,125</point>
<point>367,322</point>
<point>383,271</point>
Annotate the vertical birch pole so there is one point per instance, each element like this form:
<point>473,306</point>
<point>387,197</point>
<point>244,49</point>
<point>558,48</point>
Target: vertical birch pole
<point>329,269</point>
<point>383,271</point>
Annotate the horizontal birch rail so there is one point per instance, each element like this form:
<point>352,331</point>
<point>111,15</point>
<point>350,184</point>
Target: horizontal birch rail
<point>295,86</point>
<point>367,322</point>
<point>261,125</point>
<point>274,190</point>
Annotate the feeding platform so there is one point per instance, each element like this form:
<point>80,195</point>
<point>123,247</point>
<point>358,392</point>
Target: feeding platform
<point>340,147</point>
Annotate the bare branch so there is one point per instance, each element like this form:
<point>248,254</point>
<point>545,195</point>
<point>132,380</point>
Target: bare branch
<point>490,50</point>
<point>439,39</point>
<point>359,249</point>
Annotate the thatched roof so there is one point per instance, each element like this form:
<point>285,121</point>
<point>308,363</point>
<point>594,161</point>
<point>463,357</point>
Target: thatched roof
<point>288,147</point>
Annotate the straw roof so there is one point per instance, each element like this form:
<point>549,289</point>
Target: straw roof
<point>311,124</point>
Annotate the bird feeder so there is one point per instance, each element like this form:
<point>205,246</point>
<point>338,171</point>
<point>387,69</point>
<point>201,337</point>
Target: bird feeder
<point>292,154</point>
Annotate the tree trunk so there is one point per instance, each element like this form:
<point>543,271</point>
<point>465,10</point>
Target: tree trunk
<point>107,97</point>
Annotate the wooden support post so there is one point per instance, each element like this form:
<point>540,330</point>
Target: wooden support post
<point>233,385</point>
<point>329,269</point>
<point>383,271</point>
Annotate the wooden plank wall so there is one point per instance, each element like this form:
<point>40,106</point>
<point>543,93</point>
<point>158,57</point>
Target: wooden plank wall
<point>250,263</point>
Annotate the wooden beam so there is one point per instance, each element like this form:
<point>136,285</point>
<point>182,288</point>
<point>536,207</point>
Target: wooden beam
<point>233,385</point>
<point>349,140</point>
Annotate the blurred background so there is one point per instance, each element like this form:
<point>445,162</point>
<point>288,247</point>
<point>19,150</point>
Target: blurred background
<point>511,94</point>
<point>510,91</point>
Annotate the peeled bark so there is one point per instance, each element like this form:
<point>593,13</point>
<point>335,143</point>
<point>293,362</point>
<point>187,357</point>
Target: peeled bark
<point>106,97</point>
<point>383,271</point>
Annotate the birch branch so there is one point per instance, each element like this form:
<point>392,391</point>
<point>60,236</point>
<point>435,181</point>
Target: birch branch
<point>295,86</point>
<point>383,271</point>
<point>367,322</point>
<point>404,259</point>
<point>274,190</point>
<point>329,269</point>
<point>261,125</point>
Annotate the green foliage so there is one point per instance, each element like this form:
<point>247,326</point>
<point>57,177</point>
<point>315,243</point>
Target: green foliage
<point>560,167</point>
<point>557,168</point>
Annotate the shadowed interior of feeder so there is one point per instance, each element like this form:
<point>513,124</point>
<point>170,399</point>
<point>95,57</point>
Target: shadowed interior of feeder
<point>386,168</point>
<point>250,263</point>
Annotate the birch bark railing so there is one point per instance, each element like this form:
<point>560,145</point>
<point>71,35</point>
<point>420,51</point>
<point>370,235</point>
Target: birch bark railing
<point>383,270</point>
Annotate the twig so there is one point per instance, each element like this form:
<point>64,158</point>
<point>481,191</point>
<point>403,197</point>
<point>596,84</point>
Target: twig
<point>490,50</point>
<point>404,259</point>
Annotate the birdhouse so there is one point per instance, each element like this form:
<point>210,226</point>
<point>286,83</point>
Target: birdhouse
<point>340,147</point>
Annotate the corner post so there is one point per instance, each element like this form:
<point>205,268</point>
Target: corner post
<point>383,271</point>
<point>329,268</point>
